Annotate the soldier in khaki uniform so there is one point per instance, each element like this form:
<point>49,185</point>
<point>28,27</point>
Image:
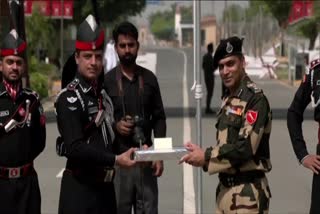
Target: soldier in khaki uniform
<point>241,155</point>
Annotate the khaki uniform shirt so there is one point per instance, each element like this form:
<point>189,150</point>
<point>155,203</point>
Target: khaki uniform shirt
<point>243,131</point>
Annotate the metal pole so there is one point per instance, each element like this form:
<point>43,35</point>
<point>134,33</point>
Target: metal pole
<point>61,36</point>
<point>198,91</point>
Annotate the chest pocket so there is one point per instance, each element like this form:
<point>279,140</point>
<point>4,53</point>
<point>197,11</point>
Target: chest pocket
<point>233,123</point>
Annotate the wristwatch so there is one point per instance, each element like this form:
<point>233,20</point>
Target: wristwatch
<point>207,157</point>
<point>207,154</point>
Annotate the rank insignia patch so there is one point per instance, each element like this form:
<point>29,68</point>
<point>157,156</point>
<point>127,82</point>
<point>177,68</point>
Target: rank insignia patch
<point>72,99</point>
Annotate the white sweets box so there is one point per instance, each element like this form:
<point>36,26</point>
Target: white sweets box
<point>162,150</point>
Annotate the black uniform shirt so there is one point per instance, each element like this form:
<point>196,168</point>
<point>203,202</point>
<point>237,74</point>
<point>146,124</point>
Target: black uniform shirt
<point>153,111</point>
<point>24,143</point>
<point>77,106</point>
<point>295,117</point>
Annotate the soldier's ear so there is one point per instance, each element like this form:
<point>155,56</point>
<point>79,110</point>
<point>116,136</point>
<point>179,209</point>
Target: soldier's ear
<point>76,57</point>
<point>1,65</point>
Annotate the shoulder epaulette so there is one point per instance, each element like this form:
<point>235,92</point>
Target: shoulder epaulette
<point>253,87</point>
<point>72,88</point>
<point>72,85</point>
<point>59,94</point>
<point>31,92</point>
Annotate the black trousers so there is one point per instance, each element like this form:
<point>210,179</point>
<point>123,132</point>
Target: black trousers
<point>135,193</point>
<point>209,81</point>
<point>82,196</point>
<point>315,195</point>
<point>20,195</point>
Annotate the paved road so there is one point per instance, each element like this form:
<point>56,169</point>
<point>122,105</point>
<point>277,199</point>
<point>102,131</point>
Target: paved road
<point>290,183</point>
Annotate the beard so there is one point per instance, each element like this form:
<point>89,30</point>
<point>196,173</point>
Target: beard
<point>128,59</point>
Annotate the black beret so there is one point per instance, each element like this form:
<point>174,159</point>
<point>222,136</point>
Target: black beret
<point>12,45</point>
<point>227,47</point>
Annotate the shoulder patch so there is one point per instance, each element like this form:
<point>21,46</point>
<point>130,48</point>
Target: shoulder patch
<point>72,99</point>
<point>253,87</point>
<point>72,85</point>
<point>31,92</point>
<point>314,63</point>
<point>251,116</point>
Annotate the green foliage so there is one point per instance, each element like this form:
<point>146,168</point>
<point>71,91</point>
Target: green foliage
<point>233,13</point>
<point>308,28</point>
<point>186,14</point>
<point>280,10</point>
<point>40,76</point>
<point>40,33</point>
<point>39,83</point>
<point>109,10</point>
<point>162,25</point>
<point>254,8</point>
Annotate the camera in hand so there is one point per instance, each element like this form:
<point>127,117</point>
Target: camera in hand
<point>60,147</point>
<point>138,135</point>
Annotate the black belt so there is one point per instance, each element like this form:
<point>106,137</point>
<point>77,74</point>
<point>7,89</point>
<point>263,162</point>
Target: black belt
<point>104,175</point>
<point>231,180</point>
<point>16,172</point>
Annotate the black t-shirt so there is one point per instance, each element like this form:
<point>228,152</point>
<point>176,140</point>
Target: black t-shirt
<point>147,104</point>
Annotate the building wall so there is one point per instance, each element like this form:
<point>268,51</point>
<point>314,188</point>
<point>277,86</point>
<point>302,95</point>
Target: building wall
<point>209,31</point>
<point>210,35</point>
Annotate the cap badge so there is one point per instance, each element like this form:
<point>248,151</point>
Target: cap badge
<point>93,46</point>
<point>229,48</point>
<point>15,51</point>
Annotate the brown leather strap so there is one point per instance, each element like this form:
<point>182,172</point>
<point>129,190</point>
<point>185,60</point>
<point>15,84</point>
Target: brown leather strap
<point>121,92</point>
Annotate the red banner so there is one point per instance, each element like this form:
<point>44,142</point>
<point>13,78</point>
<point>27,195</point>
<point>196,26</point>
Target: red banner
<point>300,10</point>
<point>50,8</point>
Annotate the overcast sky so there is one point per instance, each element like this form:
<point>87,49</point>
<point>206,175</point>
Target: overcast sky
<point>208,7</point>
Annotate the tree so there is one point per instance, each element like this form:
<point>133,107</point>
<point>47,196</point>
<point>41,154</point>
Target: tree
<point>280,10</point>
<point>109,10</point>
<point>233,13</point>
<point>162,25</point>
<point>40,34</point>
<point>308,28</point>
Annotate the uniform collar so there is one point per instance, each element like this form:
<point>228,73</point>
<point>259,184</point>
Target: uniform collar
<point>243,85</point>
<point>83,84</point>
<point>3,89</point>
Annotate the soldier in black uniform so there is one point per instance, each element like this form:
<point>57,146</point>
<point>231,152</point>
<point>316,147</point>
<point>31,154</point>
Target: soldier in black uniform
<point>85,120</point>
<point>207,66</point>
<point>309,91</point>
<point>22,133</point>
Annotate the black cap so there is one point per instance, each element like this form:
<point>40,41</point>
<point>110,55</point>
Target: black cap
<point>89,35</point>
<point>227,47</point>
<point>12,45</point>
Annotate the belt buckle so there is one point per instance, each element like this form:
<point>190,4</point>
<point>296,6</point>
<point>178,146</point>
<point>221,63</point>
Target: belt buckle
<point>13,172</point>
<point>108,175</point>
